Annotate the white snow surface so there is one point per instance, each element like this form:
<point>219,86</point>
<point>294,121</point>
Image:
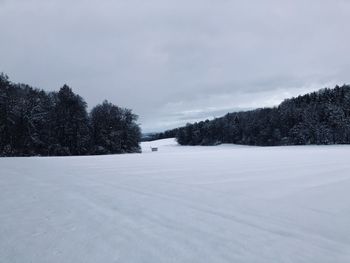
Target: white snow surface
<point>181,204</point>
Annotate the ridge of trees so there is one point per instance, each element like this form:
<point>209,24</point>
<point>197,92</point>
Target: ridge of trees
<point>321,117</point>
<point>35,122</point>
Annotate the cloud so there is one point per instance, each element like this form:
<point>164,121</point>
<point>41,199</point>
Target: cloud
<point>177,61</point>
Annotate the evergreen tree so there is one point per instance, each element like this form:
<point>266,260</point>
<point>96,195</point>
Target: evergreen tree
<point>71,124</point>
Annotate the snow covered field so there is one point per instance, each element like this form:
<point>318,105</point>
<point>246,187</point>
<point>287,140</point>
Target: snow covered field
<point>181,204</point>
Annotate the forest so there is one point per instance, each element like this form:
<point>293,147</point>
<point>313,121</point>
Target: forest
<point>321,117</point>
<point>38,123</point>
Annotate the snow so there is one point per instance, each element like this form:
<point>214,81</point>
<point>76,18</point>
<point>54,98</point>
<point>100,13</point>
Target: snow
<point>181,204</point>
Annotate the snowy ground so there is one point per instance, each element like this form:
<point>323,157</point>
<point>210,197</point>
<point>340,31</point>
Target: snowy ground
<point>181,204</point>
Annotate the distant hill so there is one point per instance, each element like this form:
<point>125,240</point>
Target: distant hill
<point>321,117</point>
<point>145,137</point>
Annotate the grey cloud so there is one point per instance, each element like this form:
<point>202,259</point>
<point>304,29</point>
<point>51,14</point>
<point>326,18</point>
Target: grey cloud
<point>166,58</point>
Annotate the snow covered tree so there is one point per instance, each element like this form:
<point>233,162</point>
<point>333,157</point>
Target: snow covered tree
<point>70,124</point>
<point>321,117</point>
<point>114,129</point>
<point>34,122</point>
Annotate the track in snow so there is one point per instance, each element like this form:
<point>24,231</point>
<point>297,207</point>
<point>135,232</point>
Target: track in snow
<point>181,204</point>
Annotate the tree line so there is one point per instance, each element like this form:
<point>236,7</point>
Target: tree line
<point>321,117</point>
<point>35,122</point>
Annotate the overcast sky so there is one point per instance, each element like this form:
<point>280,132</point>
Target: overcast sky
<point>177,61</point>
